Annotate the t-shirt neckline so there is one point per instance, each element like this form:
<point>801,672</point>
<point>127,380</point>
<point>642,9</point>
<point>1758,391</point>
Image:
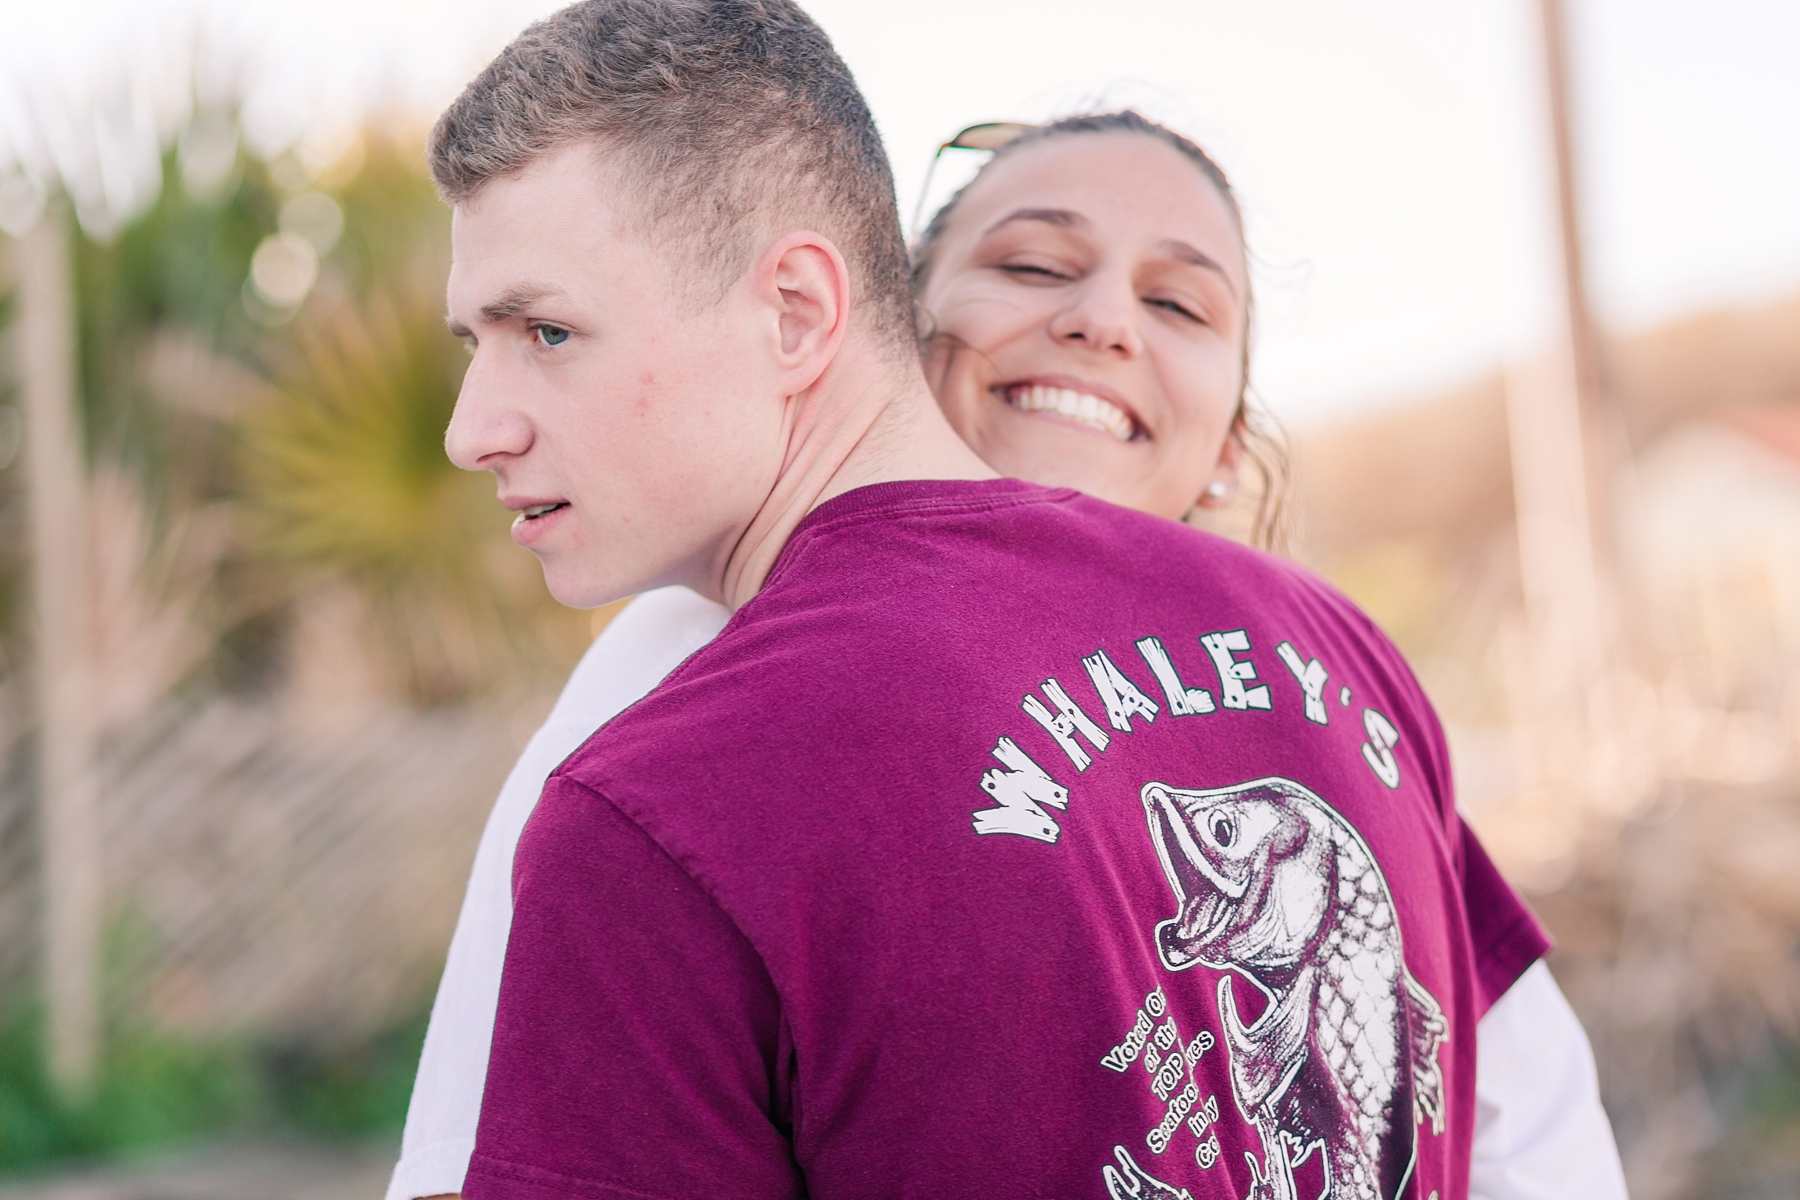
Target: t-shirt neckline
<point>924,493</point>
<point>896,496</point>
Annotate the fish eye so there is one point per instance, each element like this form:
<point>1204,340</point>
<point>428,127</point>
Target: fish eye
<point>1222,828</point>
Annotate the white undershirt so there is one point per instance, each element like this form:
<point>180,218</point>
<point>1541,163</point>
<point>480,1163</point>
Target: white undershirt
<point>1540,1133</point>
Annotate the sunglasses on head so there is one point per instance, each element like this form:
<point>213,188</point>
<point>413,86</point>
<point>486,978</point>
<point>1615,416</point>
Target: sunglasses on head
<point>987,135</point>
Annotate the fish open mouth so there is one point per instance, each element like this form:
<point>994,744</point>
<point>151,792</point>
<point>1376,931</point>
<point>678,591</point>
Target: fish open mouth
<point>1190,873</point>
<point>1200,902</point>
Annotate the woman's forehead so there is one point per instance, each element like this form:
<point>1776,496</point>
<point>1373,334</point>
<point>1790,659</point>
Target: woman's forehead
<point>1121,183</point>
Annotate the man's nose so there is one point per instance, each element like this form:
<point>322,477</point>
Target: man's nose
<point>1103,315</point>
<point>487,427</point>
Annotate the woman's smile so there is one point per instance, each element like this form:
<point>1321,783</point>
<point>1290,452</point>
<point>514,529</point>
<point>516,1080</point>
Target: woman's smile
<point>1072,403</point>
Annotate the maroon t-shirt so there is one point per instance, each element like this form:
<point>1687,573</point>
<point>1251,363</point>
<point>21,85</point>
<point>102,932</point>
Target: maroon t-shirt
<point>1008,844</point>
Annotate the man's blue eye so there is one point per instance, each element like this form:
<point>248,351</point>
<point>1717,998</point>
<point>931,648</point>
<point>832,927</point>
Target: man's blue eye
<point>552,335</point>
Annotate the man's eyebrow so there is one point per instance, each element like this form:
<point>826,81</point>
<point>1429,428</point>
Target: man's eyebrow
<point>1185,252</point>
<point>1062,218</point>
<point>514,300</point>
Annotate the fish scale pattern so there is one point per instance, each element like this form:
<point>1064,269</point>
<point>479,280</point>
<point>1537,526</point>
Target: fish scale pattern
<point>1356,1016</point>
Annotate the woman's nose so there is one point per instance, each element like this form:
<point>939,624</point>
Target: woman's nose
<point>1101,316</point>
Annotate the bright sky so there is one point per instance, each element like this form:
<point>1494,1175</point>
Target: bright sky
<point>1391,153</point>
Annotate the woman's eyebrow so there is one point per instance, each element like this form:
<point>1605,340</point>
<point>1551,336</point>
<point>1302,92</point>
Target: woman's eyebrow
<point>1186,252</point>
<point>1062,218</point>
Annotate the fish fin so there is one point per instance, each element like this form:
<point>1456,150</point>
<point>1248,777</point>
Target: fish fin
<point>1428,1030</point>
<point>1266,1056</point>
<point>1132,1182</point>
<point>1273,1177</point>
<point>1169,945</point>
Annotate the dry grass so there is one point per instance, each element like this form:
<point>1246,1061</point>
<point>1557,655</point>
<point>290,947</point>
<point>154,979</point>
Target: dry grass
<point>1664,848</point>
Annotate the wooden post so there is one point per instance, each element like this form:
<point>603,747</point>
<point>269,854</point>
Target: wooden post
<point>68,833</point>
<point>1606,444</point>
<point>1560,494</point>
<point>1584,342</point>
<point>1556,548</point>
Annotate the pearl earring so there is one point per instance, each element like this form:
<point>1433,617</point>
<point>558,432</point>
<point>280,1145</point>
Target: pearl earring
<point>1215,491</point>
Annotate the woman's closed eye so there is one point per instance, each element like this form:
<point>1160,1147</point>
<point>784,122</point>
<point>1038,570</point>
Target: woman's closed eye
<point>1179,307</point>
<point>1037,272</point>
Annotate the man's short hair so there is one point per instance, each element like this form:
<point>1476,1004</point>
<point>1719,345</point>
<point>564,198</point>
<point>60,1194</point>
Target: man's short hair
<point>723,115</point>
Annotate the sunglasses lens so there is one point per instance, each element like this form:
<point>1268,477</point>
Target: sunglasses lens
<point>989,136</point>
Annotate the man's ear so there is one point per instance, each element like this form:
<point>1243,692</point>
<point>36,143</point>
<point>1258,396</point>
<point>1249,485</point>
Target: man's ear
<point>803,281</point>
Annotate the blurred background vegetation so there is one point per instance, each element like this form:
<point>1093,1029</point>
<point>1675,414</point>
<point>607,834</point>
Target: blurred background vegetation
<point>318,653</point>
<point>316,648</point>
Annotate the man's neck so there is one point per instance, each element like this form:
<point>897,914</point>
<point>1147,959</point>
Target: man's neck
<point>865,421</point>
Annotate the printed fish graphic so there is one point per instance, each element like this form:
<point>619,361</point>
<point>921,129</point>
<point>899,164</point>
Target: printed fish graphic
<point>1272,883</point>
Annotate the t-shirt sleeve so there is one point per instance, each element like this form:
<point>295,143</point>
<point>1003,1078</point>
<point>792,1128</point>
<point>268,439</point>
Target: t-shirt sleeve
<point>638,1046</point>
<point>1506,937</point>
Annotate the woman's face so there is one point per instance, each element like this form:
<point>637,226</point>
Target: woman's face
<point>1089,300</point>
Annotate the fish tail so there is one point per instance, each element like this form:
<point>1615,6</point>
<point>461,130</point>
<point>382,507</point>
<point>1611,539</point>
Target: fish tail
<point>1427,1030</point>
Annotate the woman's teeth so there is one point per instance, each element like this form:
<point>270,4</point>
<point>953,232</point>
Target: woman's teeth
<point>538,510</point>
<point>1097,414</point>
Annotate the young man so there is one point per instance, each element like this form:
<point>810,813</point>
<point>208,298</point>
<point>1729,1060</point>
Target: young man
<point>1004,843</point>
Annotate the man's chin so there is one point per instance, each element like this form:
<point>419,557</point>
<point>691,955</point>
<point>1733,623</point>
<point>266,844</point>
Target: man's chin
<point>579,588</point>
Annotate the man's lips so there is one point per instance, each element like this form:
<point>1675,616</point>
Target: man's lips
<point>1073,401</point>
<point>533,513</point>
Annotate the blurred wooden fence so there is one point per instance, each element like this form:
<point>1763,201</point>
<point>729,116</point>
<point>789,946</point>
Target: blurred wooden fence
<point>259,877</point>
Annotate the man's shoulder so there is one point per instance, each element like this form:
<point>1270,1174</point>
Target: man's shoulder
<point>1014,535</point>
<point>875,606</point>
<point>638,648</point>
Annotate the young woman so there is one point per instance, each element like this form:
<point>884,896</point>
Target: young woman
<point>1091,304</point>
<point>1087,306</point>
